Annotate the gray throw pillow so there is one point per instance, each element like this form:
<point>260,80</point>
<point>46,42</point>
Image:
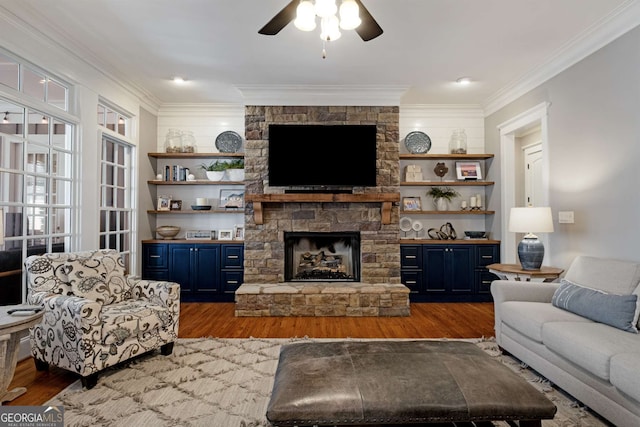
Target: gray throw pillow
<point>619,311</point>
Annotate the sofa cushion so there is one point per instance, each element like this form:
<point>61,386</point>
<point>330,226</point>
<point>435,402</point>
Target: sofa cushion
<point>619,311</point>
<point>590,345</point>
<point>611,276</point>
<point>625,375</point>
<point>528,317</point>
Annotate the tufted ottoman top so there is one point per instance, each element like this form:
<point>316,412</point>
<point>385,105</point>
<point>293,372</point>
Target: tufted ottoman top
<point>397,382</point>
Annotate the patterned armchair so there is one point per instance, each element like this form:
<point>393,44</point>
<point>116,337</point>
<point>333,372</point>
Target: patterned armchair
<point>95,316</point>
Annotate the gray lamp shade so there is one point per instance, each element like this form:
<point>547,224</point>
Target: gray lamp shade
<point>531,220</point>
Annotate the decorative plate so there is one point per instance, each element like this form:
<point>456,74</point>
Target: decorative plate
<point>417,142</point>
<point>417,226</point>
<point>228,142</point>
<point>405,224</point>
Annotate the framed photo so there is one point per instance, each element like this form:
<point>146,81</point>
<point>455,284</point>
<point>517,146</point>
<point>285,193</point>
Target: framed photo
<point>164,203</point>
<point>411,204</point>
<point>231,199</point>
<point>225,234</point>
<point>238,232</point>
<point>176,205</point>
<point>468,170</point>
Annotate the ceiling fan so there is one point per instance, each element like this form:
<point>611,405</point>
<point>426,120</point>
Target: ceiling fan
<point>367,30</point>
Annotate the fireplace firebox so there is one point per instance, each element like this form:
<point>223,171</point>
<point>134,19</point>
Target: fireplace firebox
<point>318,256</point>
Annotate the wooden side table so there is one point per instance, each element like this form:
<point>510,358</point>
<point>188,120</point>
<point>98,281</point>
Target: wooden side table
<point>12,328</point>
<point>515,272</point>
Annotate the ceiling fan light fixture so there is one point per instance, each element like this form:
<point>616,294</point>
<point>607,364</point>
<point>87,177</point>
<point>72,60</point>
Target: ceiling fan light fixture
<point>326,8</point>
<point>6,117</point>
<point>330,28</point>
<point>349,15</point>
<point>305,16</point>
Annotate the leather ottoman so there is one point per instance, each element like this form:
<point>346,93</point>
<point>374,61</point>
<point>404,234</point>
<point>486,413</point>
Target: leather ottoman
<point>398,382</point>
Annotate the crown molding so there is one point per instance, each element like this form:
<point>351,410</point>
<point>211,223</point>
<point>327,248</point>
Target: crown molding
<point>419,111</point>
<point>383,95</point>
<point>604,31</point>
<point>224,110</point>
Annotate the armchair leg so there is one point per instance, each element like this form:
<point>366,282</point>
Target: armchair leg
<point>89,381</point>
<point>166,349</point>
<point>40,365</point>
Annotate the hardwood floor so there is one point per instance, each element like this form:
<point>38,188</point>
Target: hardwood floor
<point>427,320</point>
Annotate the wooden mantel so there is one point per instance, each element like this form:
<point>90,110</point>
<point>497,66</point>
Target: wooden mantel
<point>386,199</point>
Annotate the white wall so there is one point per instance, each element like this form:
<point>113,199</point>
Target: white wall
<point>593,132</point>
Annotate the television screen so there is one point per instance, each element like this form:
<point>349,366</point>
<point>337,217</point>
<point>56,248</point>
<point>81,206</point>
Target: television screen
<point>322,155</point>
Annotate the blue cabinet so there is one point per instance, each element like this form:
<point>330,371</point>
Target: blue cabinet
<point>448,272</point>
<point>206,272</point>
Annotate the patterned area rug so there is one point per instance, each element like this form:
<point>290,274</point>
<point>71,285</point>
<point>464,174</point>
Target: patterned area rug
<point>227,383</point>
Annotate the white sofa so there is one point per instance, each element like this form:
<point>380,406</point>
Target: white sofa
<point>596,363</point>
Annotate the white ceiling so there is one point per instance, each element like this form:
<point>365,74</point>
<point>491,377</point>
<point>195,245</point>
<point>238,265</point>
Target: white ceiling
<point>215,44</point>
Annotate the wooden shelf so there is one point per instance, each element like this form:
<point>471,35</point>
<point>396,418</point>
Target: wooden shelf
<point>192,212</point>
<point>196,182</point>
<point>447,184</point>
<point>449,242</point>
<point>446,156</point>
<point>386,199</point>
<point>193,241</point>
<point>193,155</point>
<point>467,212</point>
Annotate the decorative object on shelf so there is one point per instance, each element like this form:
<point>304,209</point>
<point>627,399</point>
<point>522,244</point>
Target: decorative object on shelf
<point>231,199</point>
<point>411,204</point>
<point>176,205</point>
<point>446,232</point>
<point>238,232</point>
<point>441,170</point>
<point>200,234</point>
<point>463,205</point>
<point>225,234</point>
<point>468,171</point>
<point>159,177</point>
<point>188,142</point>
<point>405,225</point>
<point>235,170</point>
<point>201,207</point>
<point>168,232</point>
<point>215,170</point>
<point>201,201</point>
<point>442,197</point>
<point>417,227</point>
<point>413,173</point>
<point>191,177</point>
<point>458,142</point>
<point>531,220</point>
<point>476,234</point>
<point>164,203</point>
<point>417,142</point>
<point>228,142</point>
<point>173,141</point>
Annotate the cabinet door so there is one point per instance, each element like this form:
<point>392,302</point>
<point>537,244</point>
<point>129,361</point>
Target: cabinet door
<point>180,268</point>
<point>460,270</point>
<point>435,268</point>
<point>206,270</point>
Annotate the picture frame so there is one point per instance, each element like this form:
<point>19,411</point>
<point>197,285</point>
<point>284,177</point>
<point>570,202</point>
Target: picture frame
<point>231,199</point>
<point>411,204</point>
<point>175,205</point>
<point>238,232</point>
<point>225,234</point>
<point>164,203</point>
<point>468,171</point>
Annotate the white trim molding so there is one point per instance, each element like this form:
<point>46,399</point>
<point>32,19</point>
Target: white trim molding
<point>382,95</point>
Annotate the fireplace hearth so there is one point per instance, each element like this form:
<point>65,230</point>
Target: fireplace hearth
<point>318,256</point>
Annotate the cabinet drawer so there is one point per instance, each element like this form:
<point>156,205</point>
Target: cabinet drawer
<point>412,280</point>
<point>411,256</point>
<point>232,256</point>
<point>162,275</point>
<point>155,257</point>
<point>484,282</point>
<point>231,280</point>
<point>486,254</point>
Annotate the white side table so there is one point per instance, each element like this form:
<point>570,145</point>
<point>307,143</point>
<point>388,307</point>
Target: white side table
<point>515,272</point>
<point>12,328</point>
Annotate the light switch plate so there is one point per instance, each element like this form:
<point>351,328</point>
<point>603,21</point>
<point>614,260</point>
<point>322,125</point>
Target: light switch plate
<point>565,217</point>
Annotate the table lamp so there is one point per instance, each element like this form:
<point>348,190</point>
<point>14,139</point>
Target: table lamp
<point>531,220</point>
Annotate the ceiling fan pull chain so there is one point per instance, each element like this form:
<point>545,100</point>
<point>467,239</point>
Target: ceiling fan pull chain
<point>324,49</point>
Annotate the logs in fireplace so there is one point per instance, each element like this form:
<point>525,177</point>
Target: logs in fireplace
<point>322,256</point>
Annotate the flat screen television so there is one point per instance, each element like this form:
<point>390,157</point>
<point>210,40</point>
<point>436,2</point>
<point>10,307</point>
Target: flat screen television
<point>322,156</point>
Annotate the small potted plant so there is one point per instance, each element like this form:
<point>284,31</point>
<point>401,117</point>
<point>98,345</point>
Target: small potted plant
<point>235,170</point>
<point>215,170</point>
<point>442,196</point>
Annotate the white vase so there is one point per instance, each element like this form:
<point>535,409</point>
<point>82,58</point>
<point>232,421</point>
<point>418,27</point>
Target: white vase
<point>215,175</point>
<point>235,174</point>
<point>441,204</point>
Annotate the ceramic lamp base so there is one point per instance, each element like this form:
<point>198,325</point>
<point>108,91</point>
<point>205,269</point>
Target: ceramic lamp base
<point>531,253</point>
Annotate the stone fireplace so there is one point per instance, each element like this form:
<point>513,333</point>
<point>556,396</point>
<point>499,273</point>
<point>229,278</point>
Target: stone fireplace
<point>378,278</point>
<point>321,257</point>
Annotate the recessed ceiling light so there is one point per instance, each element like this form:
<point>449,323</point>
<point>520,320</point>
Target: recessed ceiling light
<point>179,80</point>
<point>463,81</point>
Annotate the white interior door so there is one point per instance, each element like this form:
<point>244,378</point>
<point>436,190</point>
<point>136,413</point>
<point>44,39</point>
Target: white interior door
<point>533,191</point>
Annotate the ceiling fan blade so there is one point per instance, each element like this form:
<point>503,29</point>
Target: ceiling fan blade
<point>278,22</point>
<point>369,28</point>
